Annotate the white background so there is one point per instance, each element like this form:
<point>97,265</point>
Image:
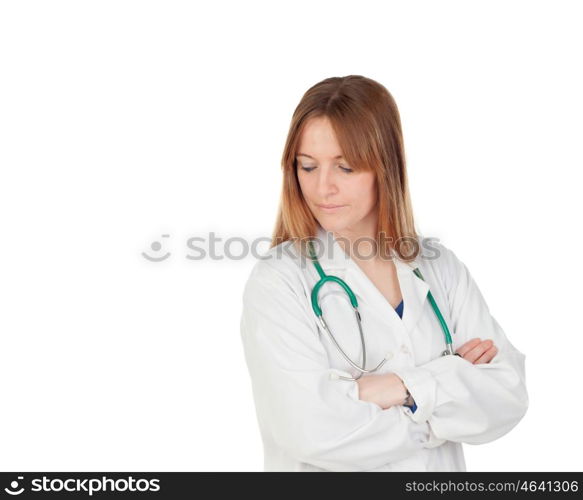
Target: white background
<point>121,121</point>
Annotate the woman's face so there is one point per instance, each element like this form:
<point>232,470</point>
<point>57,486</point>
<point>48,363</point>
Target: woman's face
<point>326,179</point>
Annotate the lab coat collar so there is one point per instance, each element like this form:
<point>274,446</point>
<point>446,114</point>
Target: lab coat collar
<point>335,261</point>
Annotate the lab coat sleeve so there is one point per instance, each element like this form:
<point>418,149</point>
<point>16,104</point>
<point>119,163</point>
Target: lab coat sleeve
<point>313,418</point>
<point>461,401</point>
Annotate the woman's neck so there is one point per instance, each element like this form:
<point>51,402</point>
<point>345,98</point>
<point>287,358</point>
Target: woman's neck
<point>359,244</point>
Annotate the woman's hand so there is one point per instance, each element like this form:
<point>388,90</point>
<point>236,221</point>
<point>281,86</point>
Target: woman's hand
<point>385,390</point>
<point>477,351</point>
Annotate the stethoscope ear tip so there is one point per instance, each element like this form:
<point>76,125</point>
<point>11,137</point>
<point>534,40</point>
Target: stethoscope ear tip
<point>388,356</point>
<point>334,376</point>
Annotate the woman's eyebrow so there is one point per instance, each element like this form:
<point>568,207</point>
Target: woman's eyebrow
<point>303,154</point>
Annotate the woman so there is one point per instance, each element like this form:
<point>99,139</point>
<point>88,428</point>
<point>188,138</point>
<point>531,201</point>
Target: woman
<point>345,186</point>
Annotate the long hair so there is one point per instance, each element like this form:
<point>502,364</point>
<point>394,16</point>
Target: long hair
<point>366,121</point>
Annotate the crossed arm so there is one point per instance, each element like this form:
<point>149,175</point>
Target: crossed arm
<point>388,389</point>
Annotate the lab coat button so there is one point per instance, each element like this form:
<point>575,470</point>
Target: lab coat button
<point>405,349</point>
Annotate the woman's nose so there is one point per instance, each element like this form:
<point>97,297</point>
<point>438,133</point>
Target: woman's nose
<point>326,183</point>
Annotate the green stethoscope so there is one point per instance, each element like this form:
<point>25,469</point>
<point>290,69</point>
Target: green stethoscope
<point>324,278</point>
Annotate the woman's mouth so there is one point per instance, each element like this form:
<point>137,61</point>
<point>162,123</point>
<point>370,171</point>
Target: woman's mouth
<point>329,208</point>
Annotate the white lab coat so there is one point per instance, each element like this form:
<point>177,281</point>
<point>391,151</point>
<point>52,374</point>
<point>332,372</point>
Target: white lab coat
<point>310,421</point>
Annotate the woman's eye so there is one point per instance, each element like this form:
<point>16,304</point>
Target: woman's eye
<point>344,169</point>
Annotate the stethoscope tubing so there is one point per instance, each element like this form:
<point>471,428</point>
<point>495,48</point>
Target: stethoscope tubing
<point>324,278</point>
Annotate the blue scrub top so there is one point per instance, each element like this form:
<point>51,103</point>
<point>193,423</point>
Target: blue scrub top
<point>399,310</point>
